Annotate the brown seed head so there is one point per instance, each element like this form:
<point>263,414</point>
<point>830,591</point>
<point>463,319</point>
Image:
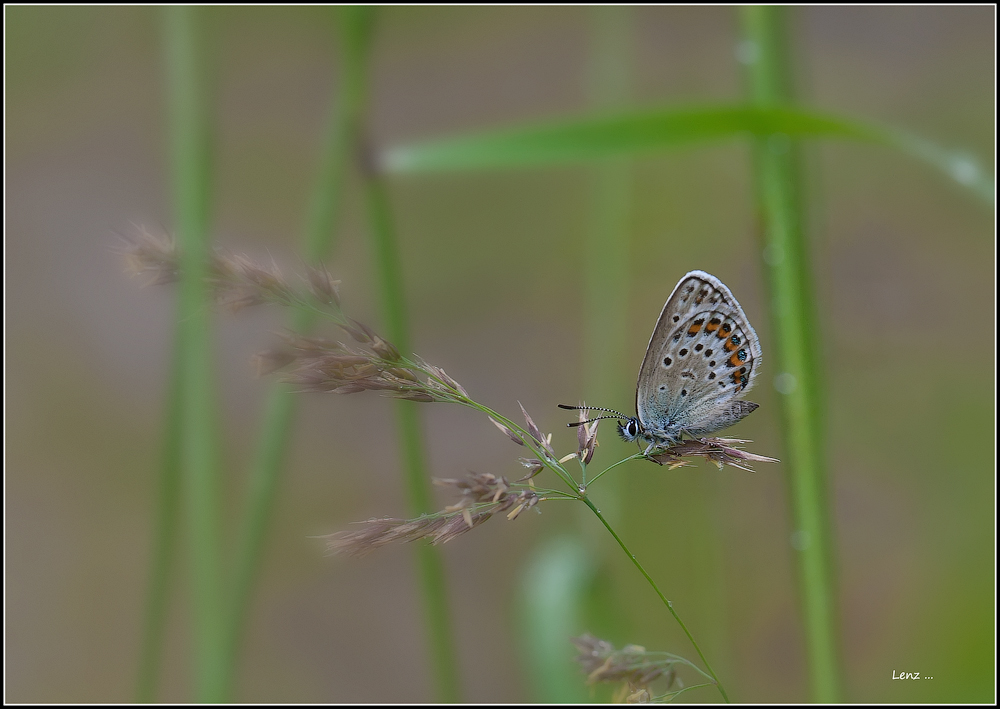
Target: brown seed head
<point>533,465</point>
<point>322,285</point>
<point>632,665</point>
<point>483,495</point>
<point>148,254</point>
<point>721,451</point>
<point>543,441</point>
<point>510,434</point>
<point>586,436</point>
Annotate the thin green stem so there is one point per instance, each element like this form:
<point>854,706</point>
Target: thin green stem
<point>634,456</point>
<point>528,441</point>
<point>678,659</point>
<point>793,315</point>
<point>340,144</point>
<point>562,496</point>
<point>671,696</point>
<point>606,237</point>
<point>548,491</point>
<point>659,593</point>
<point>188,121</point>
<point>390,282</point>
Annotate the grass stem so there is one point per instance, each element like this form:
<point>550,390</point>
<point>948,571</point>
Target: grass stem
<point>793,316</point>
<point>659,593</point>
<point>188,118</point>
<point>340,144</point>
<point>165,535</point>
<point>432,577</point>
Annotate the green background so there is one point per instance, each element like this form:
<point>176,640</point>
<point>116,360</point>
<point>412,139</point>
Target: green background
<point>493,272</point>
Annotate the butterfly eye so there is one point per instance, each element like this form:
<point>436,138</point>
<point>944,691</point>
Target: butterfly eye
<point>632,428</point>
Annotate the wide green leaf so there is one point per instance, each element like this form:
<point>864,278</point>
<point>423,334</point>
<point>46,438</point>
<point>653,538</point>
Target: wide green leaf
<point>590,138</point>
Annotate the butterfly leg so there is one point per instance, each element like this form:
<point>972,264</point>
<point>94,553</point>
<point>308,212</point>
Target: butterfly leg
<point>649,449</point>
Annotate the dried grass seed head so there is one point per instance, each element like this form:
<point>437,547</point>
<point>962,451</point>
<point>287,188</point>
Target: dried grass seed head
<point>721,451</point>
<point>586,436</point>
<point>322,285</point>
<point>483,495</point>
<point>632,664</point>
<point>148,254</point>
<point>544,441</point>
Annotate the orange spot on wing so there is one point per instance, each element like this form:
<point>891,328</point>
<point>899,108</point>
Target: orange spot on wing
<point>730,346</point>
<point>735,360</point>
<point>713,325</point>
<point>724,331</point>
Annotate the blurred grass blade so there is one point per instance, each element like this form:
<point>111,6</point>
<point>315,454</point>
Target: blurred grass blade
<point>434,589</point>
<point>382,234</point>
<point>606,284</point>
<point>606,251</point>
<point>588,138</point>
<point>778,186</point>
<point>340,145</point>
<point>552,603</point>
<point>188,119</point>
<point>165,535</point>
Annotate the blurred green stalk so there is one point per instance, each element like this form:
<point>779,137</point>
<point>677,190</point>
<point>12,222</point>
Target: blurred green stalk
<point>565,593</point>
<point>607,254</point>
<point>390,282</point>
<point>550,608</point>
<point>607,236</point>
<point>340,145</point>
<point>165,534</point>
<point>764,50</point>
<point>188,118</point>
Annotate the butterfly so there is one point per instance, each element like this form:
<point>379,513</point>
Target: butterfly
<point>702,356</point>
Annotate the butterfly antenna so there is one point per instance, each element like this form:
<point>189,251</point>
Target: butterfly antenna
<point>596,418</point>
<point>616,414</point>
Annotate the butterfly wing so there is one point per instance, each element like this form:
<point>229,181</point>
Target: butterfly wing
<point>703,354</point>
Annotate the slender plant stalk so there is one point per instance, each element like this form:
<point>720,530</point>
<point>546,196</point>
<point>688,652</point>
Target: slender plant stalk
<point>668,604</point>
<point>589,597</point>
<point>189,127</point>
<point>607,252</point>
<point>341,142</point>
<point>793,316</point>
<point>390,283</point>
<point>579,492</point>
<point>606,280</point>
<point>165,535</point>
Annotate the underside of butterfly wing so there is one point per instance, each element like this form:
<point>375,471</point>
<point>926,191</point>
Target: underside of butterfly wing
<point>702,356</point>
